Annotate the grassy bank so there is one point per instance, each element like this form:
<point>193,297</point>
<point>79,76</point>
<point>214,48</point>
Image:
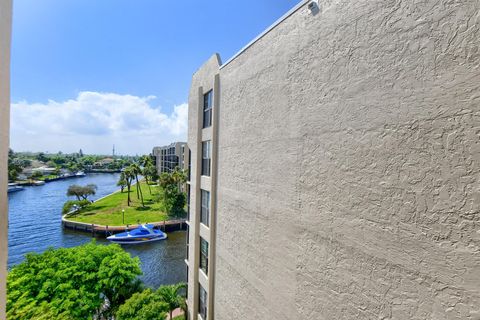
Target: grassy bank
<point>108,211</point>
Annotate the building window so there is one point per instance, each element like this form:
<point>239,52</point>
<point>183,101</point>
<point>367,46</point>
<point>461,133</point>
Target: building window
<point>189,165</point>
<point>207,109</point>
<point>186,289</point>
<point>188,202</point>
<point>206,155</point>
<point>205,212</point>
<point>204,255</point>
<point>188,239</point>
<point>202,302</point>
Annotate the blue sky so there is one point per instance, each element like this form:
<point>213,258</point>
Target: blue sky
<point>134,58</point>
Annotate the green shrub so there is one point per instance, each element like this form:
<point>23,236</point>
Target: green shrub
<point>69,205</point>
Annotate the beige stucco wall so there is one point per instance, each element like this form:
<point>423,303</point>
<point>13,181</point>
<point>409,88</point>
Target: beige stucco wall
<point>349,166</point>
<point>203,81</point>
<point>5,32</point>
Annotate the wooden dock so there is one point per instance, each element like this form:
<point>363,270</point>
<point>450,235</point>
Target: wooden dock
<point>100,230</point>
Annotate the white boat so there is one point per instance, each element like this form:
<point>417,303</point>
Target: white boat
<point>80,174</point>
<point>13,187</point>
<point>142,234</point>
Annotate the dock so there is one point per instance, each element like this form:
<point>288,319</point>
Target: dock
<point>100,230</point>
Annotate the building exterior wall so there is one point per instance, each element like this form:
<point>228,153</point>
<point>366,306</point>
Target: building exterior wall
<point>167,158</point>
<point>203,81</point>
<point>348,166</point>
<point>5,35</point>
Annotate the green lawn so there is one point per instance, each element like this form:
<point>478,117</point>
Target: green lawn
<point>108,211</point>
<point>179,318</point>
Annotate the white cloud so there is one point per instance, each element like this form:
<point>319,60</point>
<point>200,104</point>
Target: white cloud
<point>94,122</point>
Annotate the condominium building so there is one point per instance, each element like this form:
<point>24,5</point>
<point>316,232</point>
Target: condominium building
<point>5,41</point>
<point>169,157</point>
<point>335,167</point>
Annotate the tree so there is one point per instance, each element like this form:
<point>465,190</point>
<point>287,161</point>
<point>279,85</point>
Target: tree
<point>149,170</point>
<point>173,197</point>
<point>150,173</point>
<point>41,157</point>
<point>172,296</point>
<point>129,176</point>
<point>179,176</point>
<point>15,166</point>
<point>146,305</point>
<point>135,168</point>
<point>36,174</point>
<point>81,192</point>
<point>150,305</point>
<point>85,282</point>
<point>72,166</point>
<point>57,171</point>
<point>122,181</point>
<point>12,175</point>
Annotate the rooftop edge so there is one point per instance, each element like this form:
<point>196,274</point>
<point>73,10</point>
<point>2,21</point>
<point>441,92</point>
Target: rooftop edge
<point>270,28</point>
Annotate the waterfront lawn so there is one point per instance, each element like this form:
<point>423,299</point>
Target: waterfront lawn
<point>108,211</point>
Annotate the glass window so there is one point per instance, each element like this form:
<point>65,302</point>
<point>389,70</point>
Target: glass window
<point>188,239</point>
<point>206,155</point>
<point>207,109</point>
<point>205,212</point>
<point>188,202</point>
<point>189,165</point>
<point>186,289</point>
<point>204,255</point>
<point>202,302</point>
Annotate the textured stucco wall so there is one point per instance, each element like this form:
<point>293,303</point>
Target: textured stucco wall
<point>202,82</point>
<point>349,174</point>
<point>5,31</point>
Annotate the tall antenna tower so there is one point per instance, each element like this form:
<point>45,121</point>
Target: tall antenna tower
<point>113,151</point>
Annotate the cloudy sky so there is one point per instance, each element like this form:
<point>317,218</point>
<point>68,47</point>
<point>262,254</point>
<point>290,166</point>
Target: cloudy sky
<point>95,121</point>
<point>87,74</point>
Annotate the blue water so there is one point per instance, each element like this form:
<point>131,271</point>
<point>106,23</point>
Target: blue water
<point>35,225</point>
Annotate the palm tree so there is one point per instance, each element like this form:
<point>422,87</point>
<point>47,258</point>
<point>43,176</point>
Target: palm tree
<point>172,296</point>
<point>122,181</point>
<point>146,160</point>
<point>136,170</point>
<point>179,176</point>
<point>129,176</point>
<point>166,182</point>
<point>149,170</point>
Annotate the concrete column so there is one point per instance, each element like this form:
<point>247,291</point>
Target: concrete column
<point>5,37</point>
<point>213,200</point>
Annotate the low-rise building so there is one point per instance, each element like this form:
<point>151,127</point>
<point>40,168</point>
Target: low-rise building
<point>167,158</point>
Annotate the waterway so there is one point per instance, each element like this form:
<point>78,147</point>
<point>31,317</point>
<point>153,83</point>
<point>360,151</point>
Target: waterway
<point>35,224</point>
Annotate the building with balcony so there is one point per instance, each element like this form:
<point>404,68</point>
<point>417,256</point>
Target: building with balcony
<point>335,167</point>
<point>169,157</point>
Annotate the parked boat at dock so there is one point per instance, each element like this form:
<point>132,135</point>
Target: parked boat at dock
<point>142,234</point>
<point>13,187</point>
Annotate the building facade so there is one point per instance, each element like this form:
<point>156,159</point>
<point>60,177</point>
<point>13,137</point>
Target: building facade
<point>5,36</point>
<point>335,167</point>
<point>169,157</point>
